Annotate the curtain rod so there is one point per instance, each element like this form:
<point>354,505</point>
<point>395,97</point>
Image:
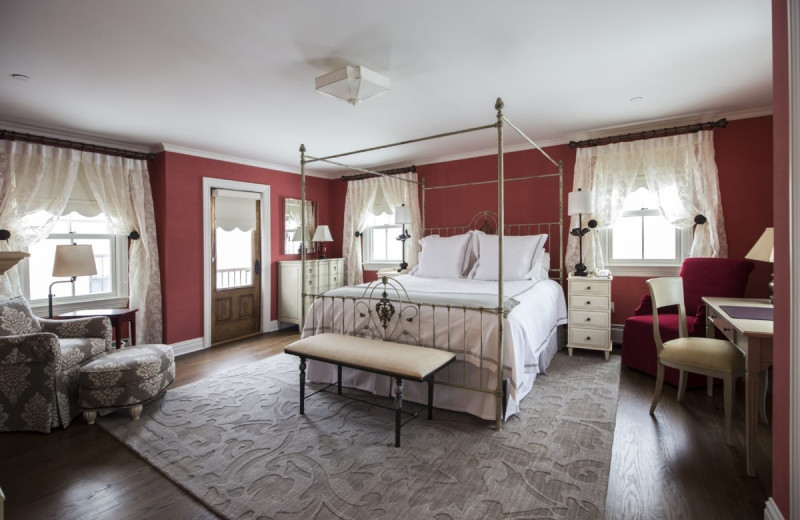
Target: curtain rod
<point>648,134</point>
<point>74,145</point>
<point>359,176</point>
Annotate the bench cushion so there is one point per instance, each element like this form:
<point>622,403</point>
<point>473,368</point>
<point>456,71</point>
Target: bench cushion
<point>397,359</point>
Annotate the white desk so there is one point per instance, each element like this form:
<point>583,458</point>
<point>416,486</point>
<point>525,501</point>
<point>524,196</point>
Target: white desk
<point>754,339</point>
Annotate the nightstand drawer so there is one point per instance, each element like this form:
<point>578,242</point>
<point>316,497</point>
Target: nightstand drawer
<point>589,319</point>
<point>588,337</point>
<point>588,302</point>
<point>589,287</point>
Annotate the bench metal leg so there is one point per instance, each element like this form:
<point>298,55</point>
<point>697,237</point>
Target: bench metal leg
<point>430,398</point>
<point>398,409</point>
<point>302,385</point>
<point>339,379</point>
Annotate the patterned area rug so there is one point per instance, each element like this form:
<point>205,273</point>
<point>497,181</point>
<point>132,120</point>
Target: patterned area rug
<point>237,442</point>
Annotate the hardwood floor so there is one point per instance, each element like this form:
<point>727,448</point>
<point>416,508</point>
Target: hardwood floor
<point>674,466</point>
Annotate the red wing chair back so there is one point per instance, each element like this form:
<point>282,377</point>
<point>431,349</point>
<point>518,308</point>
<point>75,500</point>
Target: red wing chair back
<point>722,277</point>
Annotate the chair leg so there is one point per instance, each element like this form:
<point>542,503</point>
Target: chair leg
<point>762,398</point>
<point>709,386</point>
<point>728,390</point>
<point>659,385</point>
<point>681,385</point>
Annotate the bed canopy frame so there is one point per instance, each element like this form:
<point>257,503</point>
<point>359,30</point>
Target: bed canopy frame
<point>499,125</point>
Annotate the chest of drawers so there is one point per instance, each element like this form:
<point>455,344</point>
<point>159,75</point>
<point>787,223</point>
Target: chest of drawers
<point>589,323</point>
<point>321,275</point>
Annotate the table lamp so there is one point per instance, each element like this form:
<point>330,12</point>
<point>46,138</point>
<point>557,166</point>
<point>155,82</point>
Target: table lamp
<point>764,251</point>
<point>402,215</point>
<point>72,261</point>
<point>580,203</point>
<point>322,235</point>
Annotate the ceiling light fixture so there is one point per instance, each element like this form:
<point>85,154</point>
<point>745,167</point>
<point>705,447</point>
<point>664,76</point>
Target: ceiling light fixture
<point>353,84</point>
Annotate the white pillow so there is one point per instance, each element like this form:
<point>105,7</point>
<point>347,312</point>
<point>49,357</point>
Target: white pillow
<point>518,256</point>
<point>541,266</point>
<point>442,257</point>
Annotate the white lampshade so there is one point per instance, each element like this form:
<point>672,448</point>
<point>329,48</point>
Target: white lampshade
<point>322,234</point>
<point>402,215</point>
<point>353,84</point>
<point>74,260</point>
<point>763,250</point>
<point>299,235</point>
<point>580,202</point>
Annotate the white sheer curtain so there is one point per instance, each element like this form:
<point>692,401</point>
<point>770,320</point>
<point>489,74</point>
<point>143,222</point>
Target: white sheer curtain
<point>122,189</point>
<point>679,169</point>
<point>36,183</point>
<point>361,196</point>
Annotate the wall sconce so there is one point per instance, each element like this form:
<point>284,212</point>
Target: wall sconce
<point>402,215</point>
<point>580,203</point>
<point>72,261</point>
<point>322,235</point>
<point>764,251</point>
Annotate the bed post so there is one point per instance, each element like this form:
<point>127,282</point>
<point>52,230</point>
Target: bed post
<point>500,233</point>
<point>302,236</point>
<point>561,222</point>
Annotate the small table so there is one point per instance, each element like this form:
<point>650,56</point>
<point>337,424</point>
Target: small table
<point>118,317</point>
<point>754,338</point>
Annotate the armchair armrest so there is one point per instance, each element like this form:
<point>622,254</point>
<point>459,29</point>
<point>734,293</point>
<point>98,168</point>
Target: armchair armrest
<point>93,327</point>
<point>645,307</point>
<point>40,347</point>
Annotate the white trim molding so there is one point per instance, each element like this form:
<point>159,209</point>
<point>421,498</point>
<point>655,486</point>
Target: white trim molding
<point>266,241</point>
<point>188,346</point>
<point>771,511</point>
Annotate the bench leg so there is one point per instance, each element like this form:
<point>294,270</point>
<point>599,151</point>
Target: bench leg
<point>339,379</point>
<point>430,398</point>
<point>398,409</point>
<point>302,386</point>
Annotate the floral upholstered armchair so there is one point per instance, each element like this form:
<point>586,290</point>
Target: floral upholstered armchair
<point>39,364</point>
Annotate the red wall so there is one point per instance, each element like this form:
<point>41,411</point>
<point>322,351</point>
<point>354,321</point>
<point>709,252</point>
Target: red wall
<point>782,214</point>
<point>177,182</point>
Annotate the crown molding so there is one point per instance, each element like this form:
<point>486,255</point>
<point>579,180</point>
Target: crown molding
<point>194,152</point>
<point>71,135</point>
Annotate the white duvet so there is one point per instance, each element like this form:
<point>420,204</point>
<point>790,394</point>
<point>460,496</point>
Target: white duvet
<point>538,307</point>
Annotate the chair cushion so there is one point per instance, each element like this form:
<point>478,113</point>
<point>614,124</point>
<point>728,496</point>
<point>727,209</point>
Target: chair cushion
<point>16,317</point>
<point>705,354</point>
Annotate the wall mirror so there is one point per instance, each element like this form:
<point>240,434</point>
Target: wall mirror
<point>292,237</point>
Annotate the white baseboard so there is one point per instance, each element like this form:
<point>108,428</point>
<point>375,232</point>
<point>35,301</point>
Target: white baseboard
<point>190,345</point>
<point>616,333</point>
<point>771,511</point>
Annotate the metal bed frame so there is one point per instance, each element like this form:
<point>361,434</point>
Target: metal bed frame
<point>499,310</point>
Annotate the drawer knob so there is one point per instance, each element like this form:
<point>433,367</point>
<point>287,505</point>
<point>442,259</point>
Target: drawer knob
<point>588,287</point>
<point>588,302</point>
<point>588,319</point>
<point>726,329</point>
<point>588,338</point>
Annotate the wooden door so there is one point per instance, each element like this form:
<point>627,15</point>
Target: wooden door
<point>236,274</point>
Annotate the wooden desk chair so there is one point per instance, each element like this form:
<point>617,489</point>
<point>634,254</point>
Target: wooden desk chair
<point>710,357</point>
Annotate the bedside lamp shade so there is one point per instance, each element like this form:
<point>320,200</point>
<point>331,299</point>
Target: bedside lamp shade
<point>322,234</point>
<point>580,202</point>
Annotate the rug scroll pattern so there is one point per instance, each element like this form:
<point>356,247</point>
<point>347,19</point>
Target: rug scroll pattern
<point>237,442</point>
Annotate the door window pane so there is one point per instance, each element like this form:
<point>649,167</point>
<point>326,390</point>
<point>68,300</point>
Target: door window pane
<point>234,258</point>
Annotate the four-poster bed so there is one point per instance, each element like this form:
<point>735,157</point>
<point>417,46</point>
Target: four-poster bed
<point>466,313</point>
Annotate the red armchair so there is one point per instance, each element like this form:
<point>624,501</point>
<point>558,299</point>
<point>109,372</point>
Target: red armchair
<point>723,277</point>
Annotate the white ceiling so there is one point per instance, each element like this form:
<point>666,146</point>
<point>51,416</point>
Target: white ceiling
<point>236,78</point>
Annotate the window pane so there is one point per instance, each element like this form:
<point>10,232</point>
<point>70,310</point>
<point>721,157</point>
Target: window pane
<point>97,225</point>
<point>379,244</point>
<point>659,241</point>
<point>395,249</point>
<point>234,258</point>
<point>41,269</point>
<point>627,239</point>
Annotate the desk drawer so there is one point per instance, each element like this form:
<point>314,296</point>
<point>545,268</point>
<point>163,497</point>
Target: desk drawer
<point>724,326</point>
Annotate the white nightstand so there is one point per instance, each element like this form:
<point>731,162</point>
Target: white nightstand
<point>589,324</point>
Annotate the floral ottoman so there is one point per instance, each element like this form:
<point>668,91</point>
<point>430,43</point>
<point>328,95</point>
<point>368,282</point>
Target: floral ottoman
<point>125,378</point>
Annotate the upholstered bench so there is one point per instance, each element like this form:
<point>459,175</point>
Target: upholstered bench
<point>397,360</point>
<point>125,378</point>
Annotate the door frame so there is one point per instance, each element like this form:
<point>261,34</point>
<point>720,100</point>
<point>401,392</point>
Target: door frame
<point>210,183</point>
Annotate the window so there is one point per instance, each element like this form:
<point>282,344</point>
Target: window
<point>642,242</point>
<point>381,247</point>
<point>111,259</point>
